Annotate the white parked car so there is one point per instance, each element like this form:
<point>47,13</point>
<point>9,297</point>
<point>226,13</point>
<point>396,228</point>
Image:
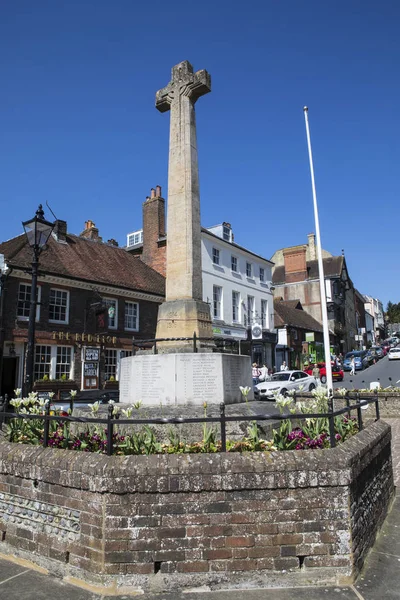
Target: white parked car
<point>283,382</point>
<point>394,353</point>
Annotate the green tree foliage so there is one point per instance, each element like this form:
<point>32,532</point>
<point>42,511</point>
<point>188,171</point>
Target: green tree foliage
<point>393,312</point>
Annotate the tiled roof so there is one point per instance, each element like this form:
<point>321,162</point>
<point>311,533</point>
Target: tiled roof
<point>87,260</point>
<point>295,317</point>
<point>292,304</point>
<point>333,266</point>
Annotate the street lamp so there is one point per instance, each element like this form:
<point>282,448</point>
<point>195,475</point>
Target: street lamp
<point>38,231</point>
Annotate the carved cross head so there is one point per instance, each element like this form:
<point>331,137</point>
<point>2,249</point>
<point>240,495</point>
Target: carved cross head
<point>183,83</point>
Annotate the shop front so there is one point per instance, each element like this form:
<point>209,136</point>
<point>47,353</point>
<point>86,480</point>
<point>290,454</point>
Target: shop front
<point>65,361</point>
<point>229,339</point>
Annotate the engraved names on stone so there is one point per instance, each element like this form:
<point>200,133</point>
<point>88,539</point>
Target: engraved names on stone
<point>187,378</point>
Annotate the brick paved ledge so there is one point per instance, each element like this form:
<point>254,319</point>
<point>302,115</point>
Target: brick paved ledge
<point>178,521</point>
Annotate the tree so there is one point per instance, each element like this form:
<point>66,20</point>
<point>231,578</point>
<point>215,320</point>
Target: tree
<point>393,312</point>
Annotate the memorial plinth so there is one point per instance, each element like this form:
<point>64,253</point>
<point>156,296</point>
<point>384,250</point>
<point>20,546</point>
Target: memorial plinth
<point>183,318</point>
<point>184,379</point>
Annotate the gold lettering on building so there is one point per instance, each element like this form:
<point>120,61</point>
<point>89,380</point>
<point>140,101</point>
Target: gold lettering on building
<point>84,337</point>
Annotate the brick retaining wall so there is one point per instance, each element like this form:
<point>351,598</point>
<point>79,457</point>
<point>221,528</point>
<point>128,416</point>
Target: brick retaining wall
<point>223,520</point>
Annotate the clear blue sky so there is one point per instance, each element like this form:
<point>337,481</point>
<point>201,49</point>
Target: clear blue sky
<point>80,130</point>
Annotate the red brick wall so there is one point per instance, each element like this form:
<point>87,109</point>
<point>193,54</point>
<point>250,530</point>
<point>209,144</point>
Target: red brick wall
<point>198,519</point>
<point>295,264</point>
<point>154,250</point>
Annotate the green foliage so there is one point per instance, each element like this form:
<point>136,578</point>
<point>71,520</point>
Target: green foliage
<point>393,312</point>
<point>313,433</point>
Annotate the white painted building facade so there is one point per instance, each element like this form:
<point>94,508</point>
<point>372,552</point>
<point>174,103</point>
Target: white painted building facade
<point>237,285</point>
<point>375,308</point>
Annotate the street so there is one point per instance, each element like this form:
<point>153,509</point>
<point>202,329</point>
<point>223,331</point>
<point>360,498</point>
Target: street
<point>381,372</point>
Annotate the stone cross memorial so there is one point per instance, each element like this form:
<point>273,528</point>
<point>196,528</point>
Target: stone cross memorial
<point>184,311</point>
<point>177,376</point>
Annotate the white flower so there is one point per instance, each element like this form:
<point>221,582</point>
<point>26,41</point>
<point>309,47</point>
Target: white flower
<point>95,407</point>
<point>16,402</point>
<point>341,391</point>
<point>137,404</point>
<point>17,392</point>
<point>127,412</point>
<point>320,393</point>
<point>244,390</point>
<point>51,395</point>
<point>111,402</point>
<point>72,393</point>
<point>282,401</point>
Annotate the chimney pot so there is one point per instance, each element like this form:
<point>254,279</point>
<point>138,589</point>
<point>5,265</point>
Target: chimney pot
<point>158,191</point>
<point>152,193</point>
<point>90,232</point>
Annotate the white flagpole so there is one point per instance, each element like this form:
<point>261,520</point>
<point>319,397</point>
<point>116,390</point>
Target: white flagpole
<point>328,364</point>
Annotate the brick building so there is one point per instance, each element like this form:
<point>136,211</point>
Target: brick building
<point>300,336</point>
<point>296,277</point>
<point>93,297</point>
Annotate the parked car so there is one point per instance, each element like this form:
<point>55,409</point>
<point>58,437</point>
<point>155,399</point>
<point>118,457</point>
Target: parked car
<point>394,354</point>
<point>360,358</point>
<point>372,355</point>
<point>337,372</point>
<point>376,352</point>
<point>385,349</point>
<point>282,383</point>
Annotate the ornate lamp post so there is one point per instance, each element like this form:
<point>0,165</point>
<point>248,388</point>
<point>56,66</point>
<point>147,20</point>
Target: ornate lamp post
<point>38,231</point>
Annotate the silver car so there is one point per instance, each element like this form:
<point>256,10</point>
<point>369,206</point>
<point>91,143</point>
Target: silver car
<point>282,383</point>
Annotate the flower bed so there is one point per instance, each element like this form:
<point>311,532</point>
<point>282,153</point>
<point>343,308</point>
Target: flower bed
<point>303,433</point>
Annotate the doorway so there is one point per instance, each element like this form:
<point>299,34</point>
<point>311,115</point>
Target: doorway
<point>10,375</point>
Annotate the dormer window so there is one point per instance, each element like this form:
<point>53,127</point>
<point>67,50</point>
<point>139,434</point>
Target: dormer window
<point>135,238</point>
<point>226,233</point>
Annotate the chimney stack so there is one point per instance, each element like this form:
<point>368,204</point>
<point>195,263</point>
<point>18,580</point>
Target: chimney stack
<point>90,232</point>
<point>153,230</point>
<point>60,230</point>
<point>312,250</point>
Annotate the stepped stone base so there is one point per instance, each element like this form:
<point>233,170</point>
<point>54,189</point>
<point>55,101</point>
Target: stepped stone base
<point>182,318</point>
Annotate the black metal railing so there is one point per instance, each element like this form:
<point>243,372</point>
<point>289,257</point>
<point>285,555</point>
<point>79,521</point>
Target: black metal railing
<point>222,419</point>
<point>195,339</point>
